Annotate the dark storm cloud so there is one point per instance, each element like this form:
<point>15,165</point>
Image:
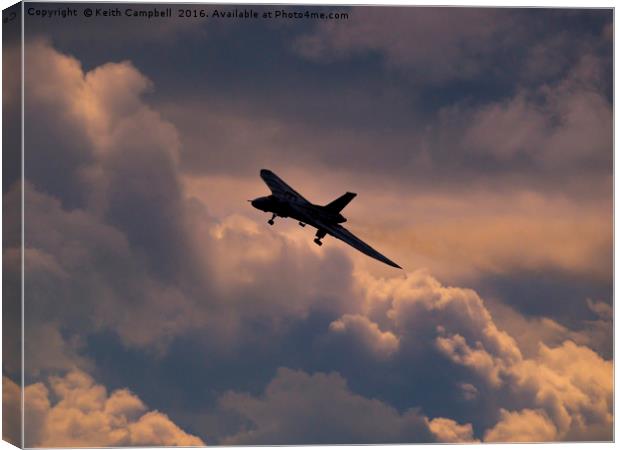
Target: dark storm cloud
<point>439,45</point>
<point>373,122</point>
<point>133,230</point>
<point>530,293</point>
<point>298,408</point>
<point>92,130</point>
<point>560,130</point>
<point>352,111</point>
<point>11,111</point>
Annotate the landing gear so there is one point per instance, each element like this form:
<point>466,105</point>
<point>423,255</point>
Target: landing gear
<point>320,234</point>
<point>301,224</point>
<point>270,221</point>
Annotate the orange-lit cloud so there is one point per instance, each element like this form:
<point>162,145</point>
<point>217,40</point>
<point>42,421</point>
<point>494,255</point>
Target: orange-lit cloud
<point>568,386</point>
<point>84,415</point>
<point>447,430</point>
<point>366,333</point>
<point>11,411</point>
<point>522,426</point>
<point>458,235</point>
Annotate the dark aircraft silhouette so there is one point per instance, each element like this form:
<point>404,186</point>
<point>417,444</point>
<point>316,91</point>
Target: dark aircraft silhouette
<point>284,201</point>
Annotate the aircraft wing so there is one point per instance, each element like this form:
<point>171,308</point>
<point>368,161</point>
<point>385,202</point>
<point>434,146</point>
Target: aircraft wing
<point>339,232</point>
<point>279,188</point>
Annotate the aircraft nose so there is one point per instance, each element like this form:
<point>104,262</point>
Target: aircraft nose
<point>258,203</point>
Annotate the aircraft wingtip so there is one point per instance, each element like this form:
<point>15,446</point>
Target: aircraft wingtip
<point>393,264</point>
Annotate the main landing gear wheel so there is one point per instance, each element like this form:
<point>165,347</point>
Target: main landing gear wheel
<point>320,234</point>
<point>270,221</point>
<point>301,224</point>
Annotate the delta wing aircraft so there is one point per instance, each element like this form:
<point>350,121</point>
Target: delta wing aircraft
<point>284,201</point>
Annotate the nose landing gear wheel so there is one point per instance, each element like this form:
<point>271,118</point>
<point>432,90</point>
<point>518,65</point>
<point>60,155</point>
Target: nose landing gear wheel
<point>318,242</point>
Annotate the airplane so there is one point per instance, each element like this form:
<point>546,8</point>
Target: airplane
<point>284,201</point>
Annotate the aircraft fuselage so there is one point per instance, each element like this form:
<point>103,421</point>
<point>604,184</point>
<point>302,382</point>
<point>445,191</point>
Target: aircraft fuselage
<point>302,212</point>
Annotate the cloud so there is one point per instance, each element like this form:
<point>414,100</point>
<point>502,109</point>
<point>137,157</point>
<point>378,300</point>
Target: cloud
<point>497,185</point>
<point>111,145</point>
<point>548,57</point>
<point>85,255</point>
<point>476,358</point>
<point>276,275</point>
<point>602,309</point>
<point>598,333</point>
<point>433,44</point>
<point>297,408</point>
<point>155,428</point>
<point>462,242</point>
<point>468,390</point>
<point>252,133</point>
<point>556,125</point>
<point>575,387</point>
<point>447,430</point>
<point>419,129</point>
<point>568,385</point>
<point>84,415</point>
<point>11,411</point>
<point>361,330</point>
<point>422,307</point>
<point>461,231</point>
<point>136,246</point>
<point>550,389</point>
<point>436,46</point>
<point>106,238</point>
<point>70,253</point>
<point>522,426</point>
<point>529,331</point>
<point>46,349</point>
<point>12,84</point>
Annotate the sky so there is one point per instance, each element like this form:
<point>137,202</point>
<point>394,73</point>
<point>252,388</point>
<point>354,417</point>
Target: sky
<point>161,309</point>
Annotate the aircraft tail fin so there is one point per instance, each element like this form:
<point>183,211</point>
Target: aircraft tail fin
<point>342,201</point>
